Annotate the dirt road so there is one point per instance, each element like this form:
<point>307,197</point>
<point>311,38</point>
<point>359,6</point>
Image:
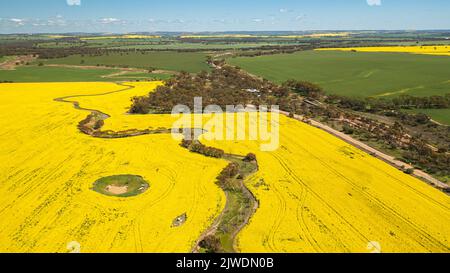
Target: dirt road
<point>362,146</point>
<point>13,62</point>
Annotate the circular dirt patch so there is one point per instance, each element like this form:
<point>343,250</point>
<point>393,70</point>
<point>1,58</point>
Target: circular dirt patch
<point>124,185</point>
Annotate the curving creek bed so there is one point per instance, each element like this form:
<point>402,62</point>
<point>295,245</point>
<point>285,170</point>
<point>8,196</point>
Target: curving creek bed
<point>240,205</point>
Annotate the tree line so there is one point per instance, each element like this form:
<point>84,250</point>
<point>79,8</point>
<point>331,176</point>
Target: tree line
<point>397,103</point>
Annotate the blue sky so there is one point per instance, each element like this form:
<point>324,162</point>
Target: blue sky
<point>26,16</point>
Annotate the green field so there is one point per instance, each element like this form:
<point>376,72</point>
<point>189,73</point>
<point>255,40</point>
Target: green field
<point>440,115</point>
<point>174,61</point>
<point>356,74</point>
<point>64,74</point>
<point>54,74</point>
<point>141,76</point>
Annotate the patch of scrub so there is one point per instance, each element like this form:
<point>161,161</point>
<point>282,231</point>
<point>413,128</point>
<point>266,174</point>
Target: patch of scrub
<point>125,185</point>
<point>441,116</point>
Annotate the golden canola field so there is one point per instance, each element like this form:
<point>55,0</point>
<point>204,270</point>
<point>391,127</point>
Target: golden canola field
<point>316,193</point>
<point>428,50</point>
<point>323,195</point>
<point>47,168</point>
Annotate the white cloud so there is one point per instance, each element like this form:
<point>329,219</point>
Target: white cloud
<point>177,21</point>
<point>109,20</point>
<point>374,2</point>
<point>39,24</point>
<point>219,21</point>
<point>258,20</point>
<point>300,17</point>
<point>284,10</point>
<point>17,21</point>
<point>74,2</point>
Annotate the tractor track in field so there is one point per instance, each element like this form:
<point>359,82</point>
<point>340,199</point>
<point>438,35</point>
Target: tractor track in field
<point>380,204</point>
<point>278,219</point>
<point>399,181</point>
<point>121,70</point>
<point>298,180</point>
<point>77,106</point>
<point>302,223</point>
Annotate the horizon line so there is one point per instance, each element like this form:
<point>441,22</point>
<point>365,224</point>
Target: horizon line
<point>228,31</point>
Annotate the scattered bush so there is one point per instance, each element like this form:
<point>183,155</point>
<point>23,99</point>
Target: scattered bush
<point>250,157</point>
<point>230,171</point>
<point>197,147</point>
<point>304,88</point>
<point>211,244</point>
<point>348,130</point>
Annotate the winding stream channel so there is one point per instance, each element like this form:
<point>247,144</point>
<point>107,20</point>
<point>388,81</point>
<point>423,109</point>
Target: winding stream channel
<point>235,215</point>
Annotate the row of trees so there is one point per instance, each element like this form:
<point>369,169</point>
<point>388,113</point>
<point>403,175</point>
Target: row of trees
<point>305,89</point>
<point>227,175</point>
<point>29,48</point>
<point>197,147</point>
<point>397,103</point>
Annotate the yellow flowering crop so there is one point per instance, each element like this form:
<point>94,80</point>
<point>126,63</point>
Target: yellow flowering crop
<point>47,168</point>
<point>316,193</point>
<point>319,194</point>
<point>429,50</point>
